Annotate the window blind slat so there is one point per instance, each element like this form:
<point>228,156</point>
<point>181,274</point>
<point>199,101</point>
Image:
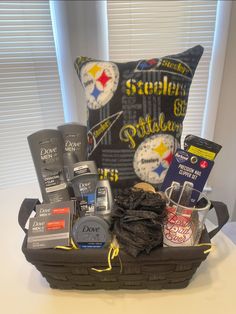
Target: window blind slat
<point>30,95</point>
<point>148,29</point>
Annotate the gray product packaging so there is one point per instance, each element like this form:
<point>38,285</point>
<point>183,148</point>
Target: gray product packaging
<point>103,198</point>
<point>46,150</point>
<point>84,187</point>
<point>56,209</point>
<point>75,139</point>
<point>49,231</point>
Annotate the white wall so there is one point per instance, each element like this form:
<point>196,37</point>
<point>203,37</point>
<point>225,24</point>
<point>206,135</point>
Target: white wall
<point>223,176</point>
<point>12,198</point>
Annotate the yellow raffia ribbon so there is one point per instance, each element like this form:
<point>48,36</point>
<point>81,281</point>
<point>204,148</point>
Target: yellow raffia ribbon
<point>212,246</point>
<point>68,248</point>
<point>114,250</point>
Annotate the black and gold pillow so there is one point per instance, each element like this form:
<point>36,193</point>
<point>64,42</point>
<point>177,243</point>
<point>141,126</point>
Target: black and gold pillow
<point>135,114</point>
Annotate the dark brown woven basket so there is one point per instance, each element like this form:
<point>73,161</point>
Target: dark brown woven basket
<point>163,268</point>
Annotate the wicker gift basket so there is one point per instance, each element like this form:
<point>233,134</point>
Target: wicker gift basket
<point>163,268</point>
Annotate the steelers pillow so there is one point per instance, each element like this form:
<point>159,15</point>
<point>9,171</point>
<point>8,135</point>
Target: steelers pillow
<point>135,114</point>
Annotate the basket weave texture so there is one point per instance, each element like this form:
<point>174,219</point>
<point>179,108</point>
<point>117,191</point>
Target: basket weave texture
<point>163,268</point>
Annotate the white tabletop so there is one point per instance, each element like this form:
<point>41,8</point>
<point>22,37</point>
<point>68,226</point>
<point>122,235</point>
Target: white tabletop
<point>23,290</point>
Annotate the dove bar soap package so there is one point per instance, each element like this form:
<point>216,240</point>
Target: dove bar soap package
<point>135,114</point>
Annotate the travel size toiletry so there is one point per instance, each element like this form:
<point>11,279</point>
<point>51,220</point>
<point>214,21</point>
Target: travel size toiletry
<point>84,187</point>
<point>75,139</point>
<point>84,180</point>
<point>103,198</point>
<point>46,149</point>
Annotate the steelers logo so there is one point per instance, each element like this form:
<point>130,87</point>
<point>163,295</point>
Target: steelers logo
<point>148,65</point>
<point>100,81</point>
<point>153,157</point>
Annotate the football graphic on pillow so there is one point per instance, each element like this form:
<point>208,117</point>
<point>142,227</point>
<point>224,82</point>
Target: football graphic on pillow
<point>153,157</point>
<point>100,81</point>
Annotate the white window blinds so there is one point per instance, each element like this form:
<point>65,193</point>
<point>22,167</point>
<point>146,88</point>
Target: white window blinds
<point>30,96</point>
<point>148,29</point>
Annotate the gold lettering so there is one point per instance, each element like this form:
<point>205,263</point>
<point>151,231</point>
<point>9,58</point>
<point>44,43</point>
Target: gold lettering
<point>171,89</point>
<point>127,133</point>
<point>173,65</point>
<point>164,62</point>
<point>177,90</point>
<point>148,88</point>
<point>140,89</point>
<point>162,87</point>
<point>165,84</point>
<point>162,124</point>
<point>155,127</point>
<point>130,87</point>
<point>170,126</point>
<point>102,127</point>
<point>158,86</point>
<point>147,126</point>
<point>180,107</point>
<point>140,127</point>
<point>181,68</point>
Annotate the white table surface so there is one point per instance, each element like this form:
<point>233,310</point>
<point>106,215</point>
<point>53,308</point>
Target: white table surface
<point>24,290</point>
